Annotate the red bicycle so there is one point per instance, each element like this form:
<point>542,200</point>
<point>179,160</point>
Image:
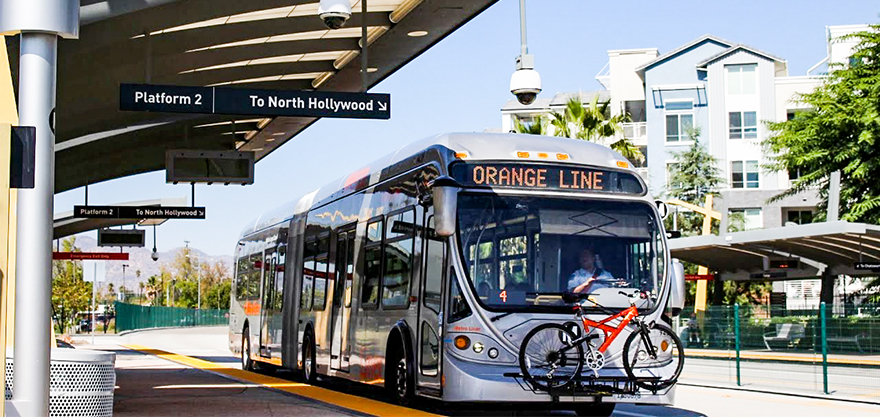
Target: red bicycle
<point>552,355</point>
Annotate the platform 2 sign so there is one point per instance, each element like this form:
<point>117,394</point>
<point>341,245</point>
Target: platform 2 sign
<point>253,102</point>
<point>138,212</point>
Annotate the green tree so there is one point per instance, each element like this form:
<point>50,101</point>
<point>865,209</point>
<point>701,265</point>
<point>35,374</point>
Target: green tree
<point>594,124</point>
<point>70,294</point>
<point>538,126</point>
<point>693,175</point>
<point>840,132</point>
<point>218,295</point>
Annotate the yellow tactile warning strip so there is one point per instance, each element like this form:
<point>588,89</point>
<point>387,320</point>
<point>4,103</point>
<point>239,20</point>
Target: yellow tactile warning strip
<point>779,357</point>
<point>336,398</point>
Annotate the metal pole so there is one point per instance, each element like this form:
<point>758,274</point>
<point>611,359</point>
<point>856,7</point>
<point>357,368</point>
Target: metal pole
<point>199,273</point>
<point>522,27</point>
<point>822,317</point>
<point>833,197</point>
<point>364,62</point>
<point>736,334</point>
<point>94,305</point>
<point>34,248</point>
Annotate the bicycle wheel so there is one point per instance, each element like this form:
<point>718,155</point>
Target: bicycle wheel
<point>653,358</point>
<point>548,359</point>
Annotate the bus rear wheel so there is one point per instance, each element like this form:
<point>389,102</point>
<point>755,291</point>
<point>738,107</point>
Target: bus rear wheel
<point>247,363</point>
<point>310,371</point>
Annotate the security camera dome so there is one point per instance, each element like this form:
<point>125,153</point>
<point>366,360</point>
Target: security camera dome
<point>525,84</point>
<point>155,255</point>
<point>334,13</point>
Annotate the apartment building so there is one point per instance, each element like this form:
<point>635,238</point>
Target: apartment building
<point>727,89</point>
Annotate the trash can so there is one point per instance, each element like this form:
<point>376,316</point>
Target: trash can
<point>81,382</point>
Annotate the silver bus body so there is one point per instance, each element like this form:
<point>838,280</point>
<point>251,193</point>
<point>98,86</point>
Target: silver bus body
<point>323,239</point>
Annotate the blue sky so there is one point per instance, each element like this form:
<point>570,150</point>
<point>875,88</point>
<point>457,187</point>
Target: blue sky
<point>461,83</point>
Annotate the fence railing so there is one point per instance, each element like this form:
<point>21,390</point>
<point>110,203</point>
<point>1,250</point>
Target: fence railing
<point>803,350</point>
<point>133,317</point>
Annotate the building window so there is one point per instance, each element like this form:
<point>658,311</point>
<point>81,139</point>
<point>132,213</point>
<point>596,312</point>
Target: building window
<point>677,126</point>
<point>800,216</point>
<point>794,174</point>
<point>743,125</point>
<point>744,174</point>
<point>742,79</point>
<point>746,219</point>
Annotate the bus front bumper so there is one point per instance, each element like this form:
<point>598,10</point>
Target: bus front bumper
<point>473,382</point>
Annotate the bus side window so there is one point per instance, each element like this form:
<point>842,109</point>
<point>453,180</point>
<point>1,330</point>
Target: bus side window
<point>435,254</point>
<point>399,241</point>
<point>459,307</point>
<point>372,264</point>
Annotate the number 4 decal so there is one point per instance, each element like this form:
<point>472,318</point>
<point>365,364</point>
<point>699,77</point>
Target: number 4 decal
<point>503,296</point>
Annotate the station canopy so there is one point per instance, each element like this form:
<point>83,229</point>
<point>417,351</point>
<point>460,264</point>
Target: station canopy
<point>271,44</point>
<point>791,252</point>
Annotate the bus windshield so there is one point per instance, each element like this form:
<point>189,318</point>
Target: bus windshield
<point>523,253</point>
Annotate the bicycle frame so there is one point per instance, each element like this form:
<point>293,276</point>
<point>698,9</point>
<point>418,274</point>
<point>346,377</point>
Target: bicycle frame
<point>611,332</point>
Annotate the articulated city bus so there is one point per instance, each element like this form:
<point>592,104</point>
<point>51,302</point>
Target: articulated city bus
<point>424,271</point>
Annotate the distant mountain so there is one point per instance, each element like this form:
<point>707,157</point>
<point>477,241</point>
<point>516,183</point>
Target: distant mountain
<point>139,260</point>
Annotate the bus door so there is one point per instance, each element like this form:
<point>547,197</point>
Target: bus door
<point>430,332</point>
<point>273,295</point>
<point>341,314</point>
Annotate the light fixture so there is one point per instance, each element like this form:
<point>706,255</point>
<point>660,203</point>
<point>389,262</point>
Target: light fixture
<point>478,347</point>
<point>462,342</point>
<point>493,353</point>
<point>525,83</point>
<point>417,33</point>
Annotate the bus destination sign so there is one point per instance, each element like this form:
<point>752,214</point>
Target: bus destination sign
<point>546,177</point>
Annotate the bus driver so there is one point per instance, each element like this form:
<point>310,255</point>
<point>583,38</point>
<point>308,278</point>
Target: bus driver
<point>585,279</point>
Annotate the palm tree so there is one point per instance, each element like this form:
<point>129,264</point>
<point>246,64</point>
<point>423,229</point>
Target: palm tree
<point>591,123</point>
<point>537,127</point>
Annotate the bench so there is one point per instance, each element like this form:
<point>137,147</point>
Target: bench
<point>846,340</point>
<point>787,333</point>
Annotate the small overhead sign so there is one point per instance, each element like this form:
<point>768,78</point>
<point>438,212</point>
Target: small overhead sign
<point>867,266</point>
<point>209,167</point>
<point>253,102</point>
<point>125,237</point>
<point>89,256</point>
<point>138,212</point>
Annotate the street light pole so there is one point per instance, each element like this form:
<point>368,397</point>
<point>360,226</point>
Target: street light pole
<point>122,288</point>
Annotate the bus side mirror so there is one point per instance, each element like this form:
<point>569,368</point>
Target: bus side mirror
<point>676,295</point>
<point>445,193</point>
<point>662,208</point>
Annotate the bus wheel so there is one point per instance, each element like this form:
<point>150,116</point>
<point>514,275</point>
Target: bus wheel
<point>246,363</point>
<point>310,373</point>
<point>400,381</point>
<point>596,409</point>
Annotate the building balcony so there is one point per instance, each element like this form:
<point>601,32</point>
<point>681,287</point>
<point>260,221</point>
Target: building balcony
<point>638,130</point>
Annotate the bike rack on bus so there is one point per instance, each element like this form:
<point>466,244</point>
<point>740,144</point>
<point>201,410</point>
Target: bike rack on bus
<point>589,386</point>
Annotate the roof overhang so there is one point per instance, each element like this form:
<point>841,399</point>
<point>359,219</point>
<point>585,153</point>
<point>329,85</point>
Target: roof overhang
<point>272,44</point>
<point>829,247</point>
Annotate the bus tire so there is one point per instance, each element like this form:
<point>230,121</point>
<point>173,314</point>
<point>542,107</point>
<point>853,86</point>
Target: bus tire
<point>247,363</point>
<point>399,376</point>
<point>310,369</point>
<point>595,409</point>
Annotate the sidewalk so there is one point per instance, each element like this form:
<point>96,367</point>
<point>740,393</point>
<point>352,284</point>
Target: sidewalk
<point>782,356</point>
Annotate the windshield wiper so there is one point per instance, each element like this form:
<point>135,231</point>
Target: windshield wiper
<point>501,316</point>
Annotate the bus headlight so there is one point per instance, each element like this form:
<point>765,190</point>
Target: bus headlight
<point>493,353</point>
<point>478,347</point>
